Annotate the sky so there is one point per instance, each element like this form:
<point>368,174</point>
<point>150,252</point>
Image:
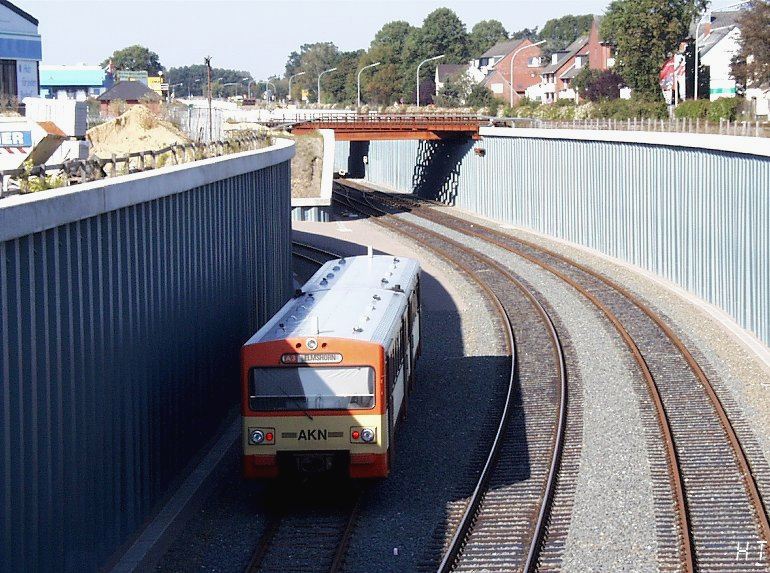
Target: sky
<point>256,35</point>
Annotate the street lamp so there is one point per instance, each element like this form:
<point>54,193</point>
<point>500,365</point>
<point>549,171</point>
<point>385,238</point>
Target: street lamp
<point>418,74</point>
<point>248,86</point>
<point>319,81</point>
<point>513,57</point>
<point>358,81</point>
<point>232,84</point>
<point>697,54</point>
<point>268,83</point>
<point>291,78</point>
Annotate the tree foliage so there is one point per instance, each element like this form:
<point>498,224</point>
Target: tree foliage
<point>484,35</point>
<point>560,32</point>
<point>135,58</point>
<point>596,85</point>
<point>751,67</point>
<point>193,79</point>
<point>644,33</point>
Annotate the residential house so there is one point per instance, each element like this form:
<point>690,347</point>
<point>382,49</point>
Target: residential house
<point>526,68</point>
<point>445,71</point>
<point>556,79</point>
<point>20,53</point>
<point>130,93</point>
<point>78,82</point>
<point>718,41</point>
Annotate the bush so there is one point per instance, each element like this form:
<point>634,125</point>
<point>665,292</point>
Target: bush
<point>692,109</point>
<point>724,108</point>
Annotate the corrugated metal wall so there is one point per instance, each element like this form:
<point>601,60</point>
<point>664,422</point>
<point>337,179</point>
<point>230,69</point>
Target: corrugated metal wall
<point>119,348</point>
<point>699,218</point>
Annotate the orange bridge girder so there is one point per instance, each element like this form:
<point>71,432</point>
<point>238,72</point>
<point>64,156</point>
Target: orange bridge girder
<point>392,127</point>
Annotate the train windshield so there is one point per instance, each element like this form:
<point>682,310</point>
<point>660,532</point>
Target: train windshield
<point>272,389</point>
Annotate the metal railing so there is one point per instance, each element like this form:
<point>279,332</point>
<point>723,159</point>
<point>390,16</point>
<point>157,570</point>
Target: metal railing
<point>681,125</point>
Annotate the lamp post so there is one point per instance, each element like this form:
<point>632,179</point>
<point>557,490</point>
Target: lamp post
<point>268,83</point>
<point>418,73</point>
<point>358,81</point>
<point>513,57</point>
<point>248,86</point>
<point>319,81</point>
<point>697,53</point>
<point>171,88</point>
<point>232,84</point>
<point>291,78</point>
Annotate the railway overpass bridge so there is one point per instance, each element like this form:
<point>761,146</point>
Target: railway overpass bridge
<point>399,127</point>
<point>124,302</point>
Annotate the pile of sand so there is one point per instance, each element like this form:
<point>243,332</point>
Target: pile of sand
<point>136,130</point>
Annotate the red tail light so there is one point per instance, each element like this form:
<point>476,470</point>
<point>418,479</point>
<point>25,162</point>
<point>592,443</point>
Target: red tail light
<point>269,437</point>
<point>356,434</point>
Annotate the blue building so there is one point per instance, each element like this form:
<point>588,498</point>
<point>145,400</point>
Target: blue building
<point>20,52</point>
<point>73,82</point>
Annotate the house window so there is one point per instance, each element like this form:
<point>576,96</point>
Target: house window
<point>8,87</point>
<point>497,88</point>
<point>533,62</point>
<point>483,62</point>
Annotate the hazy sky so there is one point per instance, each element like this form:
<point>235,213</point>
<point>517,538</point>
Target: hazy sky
<point>252,35</point>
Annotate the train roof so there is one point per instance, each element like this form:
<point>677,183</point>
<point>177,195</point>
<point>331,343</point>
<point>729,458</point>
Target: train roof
<point>347,298</point>
<point>379,271</point>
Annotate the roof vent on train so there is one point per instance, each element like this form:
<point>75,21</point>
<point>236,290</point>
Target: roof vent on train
<point>342,261</point>
<point>376,297</point>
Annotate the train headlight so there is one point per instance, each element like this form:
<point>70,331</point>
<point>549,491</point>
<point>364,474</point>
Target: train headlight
<point>256,436</point>
<point>367,435</point>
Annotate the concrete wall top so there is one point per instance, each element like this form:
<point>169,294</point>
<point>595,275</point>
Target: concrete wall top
<point>727,143</point>
<point>25,214</point>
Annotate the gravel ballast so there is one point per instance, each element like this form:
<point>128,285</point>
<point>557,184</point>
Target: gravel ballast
<point>613,521</point>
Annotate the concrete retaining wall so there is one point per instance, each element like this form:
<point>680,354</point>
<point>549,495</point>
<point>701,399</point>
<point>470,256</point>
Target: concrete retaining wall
<point>123,306</point>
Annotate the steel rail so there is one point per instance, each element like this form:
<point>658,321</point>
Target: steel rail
<point>461,532</point>
<point>752,490</point>
<point>675,477</point>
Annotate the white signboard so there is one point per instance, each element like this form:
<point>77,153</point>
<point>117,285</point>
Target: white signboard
<point>26,79</point>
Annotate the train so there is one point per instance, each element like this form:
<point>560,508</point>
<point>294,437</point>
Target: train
<point>326,381</point>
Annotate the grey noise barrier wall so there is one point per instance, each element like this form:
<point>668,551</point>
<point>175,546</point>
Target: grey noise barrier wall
<point>123,307</point>
<point>692,208</point>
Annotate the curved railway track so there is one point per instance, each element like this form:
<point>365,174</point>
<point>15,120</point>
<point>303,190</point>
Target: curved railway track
<point>502,524</point>
<point>712,475</point>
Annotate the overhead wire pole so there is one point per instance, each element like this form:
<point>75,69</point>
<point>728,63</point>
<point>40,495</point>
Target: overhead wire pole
<point>319,81</point>
<point>268,83</point>
<point>358,82</point>
<point>207,61</point>
<point>513,57</point>
<point>290,79</point>
<point>418,73</point>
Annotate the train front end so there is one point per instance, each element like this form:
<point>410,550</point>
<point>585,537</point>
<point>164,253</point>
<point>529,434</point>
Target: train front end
<point>314,405</point>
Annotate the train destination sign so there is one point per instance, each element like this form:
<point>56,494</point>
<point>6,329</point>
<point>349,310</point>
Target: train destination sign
<point>315,358</point>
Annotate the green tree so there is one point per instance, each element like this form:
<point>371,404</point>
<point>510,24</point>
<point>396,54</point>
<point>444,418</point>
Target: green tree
<point>561,32</point>
<point>193,79</point>
<point>644,32</point>
<point>312,59</point>
<point>525,33</point>
<point>135,58</point>
<point>751,67</point>
<point>454,91</point>
<point>484,35</point>
<point>442,32</point>
<point>384,84</point>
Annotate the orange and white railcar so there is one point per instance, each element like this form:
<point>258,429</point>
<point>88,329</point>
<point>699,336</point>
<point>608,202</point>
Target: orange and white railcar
<point>325,382</point>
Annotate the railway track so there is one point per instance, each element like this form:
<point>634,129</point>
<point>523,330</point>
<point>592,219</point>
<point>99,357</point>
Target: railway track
<point>503,522</point>
<point>713,479</point>
<point>308,536</point>
<point>311,253</point>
